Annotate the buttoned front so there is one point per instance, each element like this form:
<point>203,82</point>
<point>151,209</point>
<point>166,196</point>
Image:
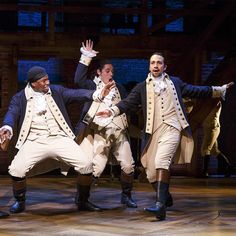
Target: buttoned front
<point>24,131</point>
<point>59,117</point>
<point>143,94</point>
<point>27,122</point>
<point>150,105</point>
<point>176,103</point>
<point>112,99</point>
<point>45,130</point>
<point>166,104</point>
<point>103,137</point>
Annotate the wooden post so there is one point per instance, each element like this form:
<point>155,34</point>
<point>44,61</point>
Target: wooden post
<point>51,25</point>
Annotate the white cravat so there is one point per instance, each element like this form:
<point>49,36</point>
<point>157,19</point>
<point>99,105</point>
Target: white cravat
<point>40,104</point>
<point>108,100</point>
<point>159,84</point>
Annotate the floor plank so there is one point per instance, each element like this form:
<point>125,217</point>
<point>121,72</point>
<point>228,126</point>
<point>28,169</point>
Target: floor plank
<point>202,207</point>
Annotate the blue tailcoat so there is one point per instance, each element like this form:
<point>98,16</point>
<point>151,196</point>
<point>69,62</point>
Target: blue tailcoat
<point>138,96</point>
<point>81,79</point>
<point>61,95</point>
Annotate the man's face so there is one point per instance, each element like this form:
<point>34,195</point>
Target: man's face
<point>41,85</point>
<point>157,65</point>
<point>106,73</point>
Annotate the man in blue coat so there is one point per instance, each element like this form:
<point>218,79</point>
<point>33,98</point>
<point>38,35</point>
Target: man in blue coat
<point>105,139</point>
<point>165,123</point>
<point>45,133</point>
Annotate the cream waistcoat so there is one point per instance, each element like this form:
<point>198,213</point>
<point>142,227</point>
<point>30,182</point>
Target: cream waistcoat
<point>119,121</point>
<point>52,106</point>
<point>172,102</point>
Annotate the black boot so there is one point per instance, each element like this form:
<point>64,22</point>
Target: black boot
<point>161,198</point>
<point>3,214</point>
<point>205,166</point>
<point>19,190</point>
<point>169,200</point>
<point>83,193</point>
<point>126,182</point>
<point>162,190</point>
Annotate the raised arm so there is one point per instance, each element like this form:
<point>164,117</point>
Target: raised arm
<point>81,74</point>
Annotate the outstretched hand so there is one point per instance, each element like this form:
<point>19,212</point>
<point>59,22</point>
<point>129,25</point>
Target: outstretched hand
<point>229,84</point>
<point>88,46</point>
<point>105,113</point>
<point>107,88</point>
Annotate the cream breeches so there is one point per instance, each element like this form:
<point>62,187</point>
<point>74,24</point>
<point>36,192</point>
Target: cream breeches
<point>105,143</point>
<point>161,150</point>
<point>57,147</point>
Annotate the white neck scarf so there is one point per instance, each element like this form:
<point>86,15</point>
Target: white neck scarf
<point>110,97</point>
<point>159,83</point>
<point>40,104</point>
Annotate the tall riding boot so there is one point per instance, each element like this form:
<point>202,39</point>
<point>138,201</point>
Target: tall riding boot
<point>126,182</point>
<point>162,187</point>
<point>83,192</point>
<point>19,190</point>
<point>169,200</point>
<point>223,160</point>
<point>205,165</point>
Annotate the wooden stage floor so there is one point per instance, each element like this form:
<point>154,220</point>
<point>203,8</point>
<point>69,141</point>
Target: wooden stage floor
<point>202,207</point>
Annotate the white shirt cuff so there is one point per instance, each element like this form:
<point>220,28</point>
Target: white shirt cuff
<point>114,110</point>
<point>8,128</point>
<point>88,53</point>
<point>85,60</point>
<point>219,91</point>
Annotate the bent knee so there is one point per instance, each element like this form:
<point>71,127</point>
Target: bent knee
<point>127,169</point>
<point>17,172</point>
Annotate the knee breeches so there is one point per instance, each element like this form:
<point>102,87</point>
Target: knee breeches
<point>59,148</point>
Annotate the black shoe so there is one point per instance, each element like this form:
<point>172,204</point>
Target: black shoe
<point>17,207</point>
<point>3,214</point>
<point>128,201</point>
<point>159,209</point>
<point>169,201</point>
<point>87,206</point>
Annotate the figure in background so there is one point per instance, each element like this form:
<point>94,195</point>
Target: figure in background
<point>165,123</point>
<point>103,138</point>
<point>211,131</point>
<point>45,134</point>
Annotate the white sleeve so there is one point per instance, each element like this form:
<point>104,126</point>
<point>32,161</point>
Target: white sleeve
<point>86,56</point>
<point>219,91</point>
<point>114,110</point>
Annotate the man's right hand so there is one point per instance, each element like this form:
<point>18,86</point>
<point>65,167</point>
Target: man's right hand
<point>5,136</point>
<point>87,49</point>
<point>107,88</point>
